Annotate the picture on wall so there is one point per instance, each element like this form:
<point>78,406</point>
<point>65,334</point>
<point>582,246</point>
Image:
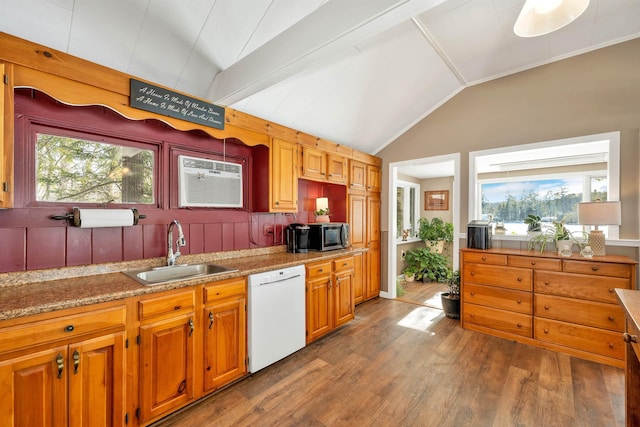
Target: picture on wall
<point>436,200</point>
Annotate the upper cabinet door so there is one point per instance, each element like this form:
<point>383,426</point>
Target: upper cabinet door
<point>313,164</point>
<point>284,176</point>
<point>374,176</point>
<point>336,169</point>
<point>357,175</point>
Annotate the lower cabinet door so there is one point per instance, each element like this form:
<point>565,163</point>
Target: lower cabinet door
<point>166,365</point>
<point>224,343</point>
<point>343,297</point>
<point>34,389</point>
<point>97,381</point>
<point>319,320</point>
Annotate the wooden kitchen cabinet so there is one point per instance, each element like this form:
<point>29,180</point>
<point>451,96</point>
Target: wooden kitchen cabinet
<point>224,329</point>
<point>283,192</point>
<point>374,178</point>
<point>6,136</point>
<point>329,288</point>
<point>364,176</point>
<point>67,370</point>
<point>318,165</point>
<point>562,304</point>
<point>166,352</point>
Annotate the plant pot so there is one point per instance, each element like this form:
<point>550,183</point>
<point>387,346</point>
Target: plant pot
<point>409,277</point>
<point>450,305</point>
<point>564,247</point>
<point>322,218</point>
<point>436,246</point>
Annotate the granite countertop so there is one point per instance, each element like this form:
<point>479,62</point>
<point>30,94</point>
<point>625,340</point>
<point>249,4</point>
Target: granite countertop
<point>34,292</point>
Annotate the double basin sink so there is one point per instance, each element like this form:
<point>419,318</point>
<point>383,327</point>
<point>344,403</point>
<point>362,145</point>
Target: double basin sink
<point>160,275</point>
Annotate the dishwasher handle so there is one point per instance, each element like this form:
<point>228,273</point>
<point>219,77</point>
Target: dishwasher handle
<point>284,279</point>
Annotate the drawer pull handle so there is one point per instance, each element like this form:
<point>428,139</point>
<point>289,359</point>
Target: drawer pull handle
<point>191,327</point>
<point>611,290</point>
<point>320,270</point>
<point>69,328</point>
<point>519,279</point>
<point>60,363</point>
<point>210,319</point>
<point>629,338</point>
<point>546,331</point>
<point>473,294</point>
<point>519,301</point>
<point>611,345</point>
<point>519,325</point>
<point>177,307</point>
<point>76,361</point>
<point>546,307</point>
<point>182,386</point>
<point>473,273</point>
<point>472,315</point>
<point>344,264</point>
<point>484,258</point>
<point>611,318</point>
<point>594,268</point>
<point>533,263</point>
<point>546,283</point>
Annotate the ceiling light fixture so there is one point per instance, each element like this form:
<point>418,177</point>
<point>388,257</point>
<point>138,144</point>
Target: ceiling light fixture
<point>539,17</point>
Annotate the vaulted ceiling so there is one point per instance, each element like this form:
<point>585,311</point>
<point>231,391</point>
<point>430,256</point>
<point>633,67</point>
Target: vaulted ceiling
<point>356,72</point>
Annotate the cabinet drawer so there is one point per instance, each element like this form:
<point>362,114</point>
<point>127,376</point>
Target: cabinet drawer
<point>589,313</point>
<point>597,268</point>
<point>506,299</point>
<point>343,264</point>
<point>505,277</point>
<point>44,331</point>
<point>485,258</point>
<point>319,269</point>
<point>593,340</point>
<point>580,286</point>
<point>501,320</point>
<point>166,304</point>
<point>537,263</point>
<point>224,289</point>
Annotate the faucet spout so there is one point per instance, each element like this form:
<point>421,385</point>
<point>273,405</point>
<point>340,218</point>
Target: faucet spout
<point>171,255</point>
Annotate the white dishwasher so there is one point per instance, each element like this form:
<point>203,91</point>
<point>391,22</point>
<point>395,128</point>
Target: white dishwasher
<point>276,315</point>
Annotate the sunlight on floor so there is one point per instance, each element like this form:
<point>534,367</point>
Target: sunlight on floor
<point>434,301</point>
<point>421,319</point>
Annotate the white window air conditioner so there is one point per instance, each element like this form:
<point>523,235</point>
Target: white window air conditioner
<point>209,183</point>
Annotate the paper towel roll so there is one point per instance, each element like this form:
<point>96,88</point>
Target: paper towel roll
<point>91,218</point>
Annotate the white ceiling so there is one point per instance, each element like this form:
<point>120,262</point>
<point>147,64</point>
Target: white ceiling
<point>356,72</point>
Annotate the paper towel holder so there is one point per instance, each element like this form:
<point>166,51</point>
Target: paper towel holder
<point>74,217</point>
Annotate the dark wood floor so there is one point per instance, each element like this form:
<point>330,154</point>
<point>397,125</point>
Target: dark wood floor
<point>403,364</point>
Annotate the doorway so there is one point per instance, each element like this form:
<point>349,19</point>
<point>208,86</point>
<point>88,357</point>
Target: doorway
<point>424,169</point>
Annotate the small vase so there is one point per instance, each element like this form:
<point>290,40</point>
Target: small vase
<point>564,247</point>
<point>322,218</point>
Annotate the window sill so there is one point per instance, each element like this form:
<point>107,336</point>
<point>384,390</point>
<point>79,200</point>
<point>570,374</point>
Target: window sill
<point>412,240</point>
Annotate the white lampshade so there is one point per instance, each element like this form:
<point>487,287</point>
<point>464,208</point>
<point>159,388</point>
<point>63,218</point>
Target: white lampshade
<point>539,17</point>
<point>322,203</point>
<point>599,213</point>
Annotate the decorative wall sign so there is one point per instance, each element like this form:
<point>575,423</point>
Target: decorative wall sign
<point>145,96</point>
<point>436,200</point>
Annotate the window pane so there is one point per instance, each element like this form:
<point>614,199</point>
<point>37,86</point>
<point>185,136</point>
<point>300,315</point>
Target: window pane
<point>399,211</point>
<point>412,212</point>
<point>81,171</point>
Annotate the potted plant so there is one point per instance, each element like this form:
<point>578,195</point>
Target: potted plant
<point>409,274</point>
<point>557,233</point>
<point>451,300</point>
<point>534,223</point>
<point>426,263</point>
<point>322,215</point>
<point>435,233</point>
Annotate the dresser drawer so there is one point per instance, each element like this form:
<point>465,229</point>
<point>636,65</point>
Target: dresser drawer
<point>592,340</point>
<point>505,277</point>
<point>505,299</point>
<point>318,269</point>
<point>534,262</point>
<point>598,268</point>
<point>485,258</point>
<point>224,289</point>
<point>501,320</point>
<point>580,286</point>
<point>51,330</point>
<point>343,264</point>
<point>589,313</point>
<point>167,303</point>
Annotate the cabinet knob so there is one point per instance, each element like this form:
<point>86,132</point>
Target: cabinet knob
<point>611,290</point>
<point>629,338</point>
<point>484,258</point>
<point>519,279</point>
<point>546,307</point>
<point>69,328</point>
<point>546,283</point>
<point>473,293</point>
<point>519,325</point>
<point>546,331</point>
<point>594,268</point>
<point>519,301</point>
<point>533,263</point>
<point>473,273</point>
<point>611,318</point>
<point>611,345</point>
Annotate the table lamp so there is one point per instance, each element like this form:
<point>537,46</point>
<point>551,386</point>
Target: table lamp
<point>598,213</point>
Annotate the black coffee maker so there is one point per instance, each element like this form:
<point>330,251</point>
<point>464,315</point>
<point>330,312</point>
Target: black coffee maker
<point>297,237</point>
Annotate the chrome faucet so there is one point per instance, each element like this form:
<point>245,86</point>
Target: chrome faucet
<point>172,256</point>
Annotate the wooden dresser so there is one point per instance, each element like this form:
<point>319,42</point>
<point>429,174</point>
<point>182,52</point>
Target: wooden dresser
<point>630,302</point>
<point>563,304</point>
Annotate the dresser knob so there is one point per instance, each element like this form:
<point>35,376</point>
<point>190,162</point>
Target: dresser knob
<point>611,318</point>
<point>611,290</point>
<point>610,345</point>
<point>519,301</point>
<point>484,258</point>
<point>594,268</point>
<point>533,263</point>
<point>546,331</point>
<point>473,293</point>
<point>472,273</point>
<point>519,325</point>
<point>629,338</point>
<point>546,307</point>
<point>519,279</point>
<point>546,283</point>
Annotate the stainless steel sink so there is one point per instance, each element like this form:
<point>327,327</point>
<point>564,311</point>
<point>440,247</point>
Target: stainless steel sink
<point>160,275</point>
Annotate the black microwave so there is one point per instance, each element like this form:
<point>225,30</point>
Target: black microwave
<point>327,236</point>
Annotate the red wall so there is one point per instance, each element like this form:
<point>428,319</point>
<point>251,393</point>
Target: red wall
<point>30,239</point>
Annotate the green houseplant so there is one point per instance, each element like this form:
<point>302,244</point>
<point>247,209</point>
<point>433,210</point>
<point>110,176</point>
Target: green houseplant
<point>534,223</point>
<point>435,233</point>
<point>426,263</point>
<point>557,233</point>
<point>451,300</point>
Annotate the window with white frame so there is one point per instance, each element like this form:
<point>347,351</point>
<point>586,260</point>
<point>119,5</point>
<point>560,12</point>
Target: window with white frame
<point>546,179</point>
<point>408,208</point>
